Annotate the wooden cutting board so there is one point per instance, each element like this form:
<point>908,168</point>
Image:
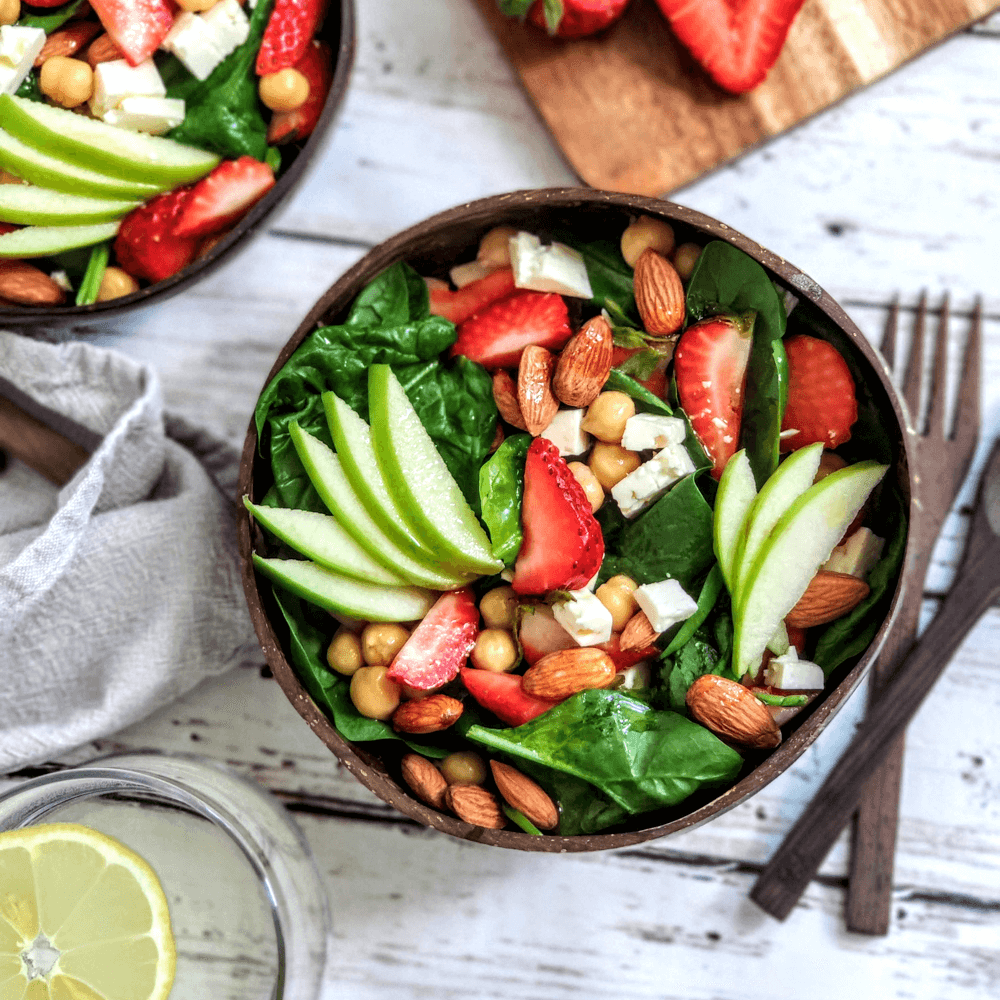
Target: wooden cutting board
<point>632,111</point>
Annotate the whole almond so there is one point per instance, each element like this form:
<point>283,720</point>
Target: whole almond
<point>558,675</point>
<point>425,780</point>
<point>659,294</point>
<point>102,50</point>
<point>505,396</point>
<point>475,805</point>
<point>69,40</point>
<point>729,710</point>
<point>534,388</point>
<point>427,715</point>
<point>829,596</point>
<point>27,285</point>
<point>498,438</point>
<point>584,364</point>
<point>525,795</point>
<point>638,632</point>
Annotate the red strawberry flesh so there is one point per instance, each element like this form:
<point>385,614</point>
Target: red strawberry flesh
<point>579,17</point>
<point>459,305</point>
<point>293,126</point>
<point>224,196</point>
<point>821,402</point>
<point>289,31</point>
<point>137,27</point>
<point>146,246</point>
<point>503,695</point>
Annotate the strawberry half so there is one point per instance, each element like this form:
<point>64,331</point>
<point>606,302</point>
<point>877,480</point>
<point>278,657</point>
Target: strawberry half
<point>439,646</point>
<point>736,41</point>
<point>458,306</point>
<point>137,27</point>
<point>224,196</point>
<point>710,365</point>
<point>563,545</point>
<point>289,31</point>
<point>497,335</point>
<point>578,17</point>
<point>821,401</point>
<point>146,245</point>
<point>294,126</point>
<point>503,695</point>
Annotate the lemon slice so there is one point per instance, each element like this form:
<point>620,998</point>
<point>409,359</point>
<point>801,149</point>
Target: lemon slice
<point>82,917</point>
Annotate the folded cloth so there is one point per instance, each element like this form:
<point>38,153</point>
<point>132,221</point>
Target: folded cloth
<point>121,590</point>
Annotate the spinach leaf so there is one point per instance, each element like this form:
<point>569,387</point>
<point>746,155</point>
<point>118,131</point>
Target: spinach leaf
<point>697,657</point>
<point>641,758</point>
<point>672,539</point>
<point>645,401</point>
<point>515,8</point>
<point>52,21</point>
<point>726,280</point>
<point>501,489</point>
<point>640,365</point>
<point>222,113</point>
<point>582,808</point>
<point>519,819</point>
<point>781,700</point>
<point>90,285</point>
<point>610,278</point>
<point>31,88</point>
<point>710,590</point>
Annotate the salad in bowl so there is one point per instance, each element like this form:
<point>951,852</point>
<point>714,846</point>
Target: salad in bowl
<point>571,517</point>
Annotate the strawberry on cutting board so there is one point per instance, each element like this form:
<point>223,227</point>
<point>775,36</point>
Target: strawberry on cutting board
<point>822,405</point>
<point>146,245</point>
<point>710,365</point>
<point>137,27</point>
<point>736,41</point>
<point>563,546</point>
<point>503,695</point>
<point>575,18</point>
<point>289,31</point>
<point>224,196</point>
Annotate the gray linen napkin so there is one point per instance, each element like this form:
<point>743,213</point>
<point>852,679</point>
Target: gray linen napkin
<point>120,591</point>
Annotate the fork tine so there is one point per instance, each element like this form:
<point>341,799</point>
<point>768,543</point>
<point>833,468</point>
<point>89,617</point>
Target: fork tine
<point>967,411</point>
<point>915,365</point>
<point>889,337</point>
<point>939,378</point>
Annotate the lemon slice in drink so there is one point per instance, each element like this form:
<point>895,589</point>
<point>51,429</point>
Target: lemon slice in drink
<point>82,917</point>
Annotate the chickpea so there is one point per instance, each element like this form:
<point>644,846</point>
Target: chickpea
<point>644,234</point>
<point>116,283</point>
<point>374,695</point>
<point>464,767</point>
<point>606,416</point>
<point>830,462</point>
<point>617,598</point>
<point>344,653</point>
<point>10,11</point>
<point>381,641</point>
<point>587,479</point>
<point>499,608</point>
<point>494,247</point>
<point>195,6</point>
<point>69,82</point>
<point>611,463</point>
<point>685,258</point>
<point>494,651</point>
<point>285,90</point>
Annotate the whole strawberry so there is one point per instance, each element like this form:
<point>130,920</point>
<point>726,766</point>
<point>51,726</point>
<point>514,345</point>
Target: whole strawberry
<point>821,402</point>
<point>575,18</point>
<point>146,246</point>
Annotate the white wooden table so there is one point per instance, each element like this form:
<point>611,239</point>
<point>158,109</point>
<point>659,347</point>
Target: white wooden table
<point>893,191</point>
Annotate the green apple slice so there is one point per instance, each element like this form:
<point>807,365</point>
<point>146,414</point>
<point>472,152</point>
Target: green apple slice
<point>370,601</point>
<point>27,205</point>
<point>43,241</point>
<point>327,476</point>
<point>428,495</point>
<point>791,479</point>
<point>321,538</point>
<point>98,146</point>
<point>46,171</point>
<point>736,494</point>
<point>800,543</point>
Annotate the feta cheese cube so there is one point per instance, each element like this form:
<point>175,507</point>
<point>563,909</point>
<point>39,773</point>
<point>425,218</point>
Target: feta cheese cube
<point>586,619</point>
<point>229,26</point>
<point>789,673</point>
<point>641,487</point>
<point>565,433</point>
<point>554,268</point>
<point>116,80</point>
<point>154,115</point>
<point>645,431</point>
<point>19,48</point>
<point>666,603</point>
<point>202,41</point>
<point>857,555</point>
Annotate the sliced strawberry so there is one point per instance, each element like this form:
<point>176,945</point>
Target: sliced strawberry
<point>289,31</point>
<point>47,3</point>
<point>459,306</point>
<point>563,545</point>
<point>137,27</point>
<point>8,227</point>
<point>821,401</point>
<point>439,646</point>
<point>503,695</point>
<point>540,634</point>
<point>146,245</point>
<point>797,638</point>
<point>656,383</point>
<point>579,17</point>
<point>496,335</point>
<point>710,365</point>
<point>294,126</point>
<point>623,659</point>
<point>736,41</point>
<point>224,196</point>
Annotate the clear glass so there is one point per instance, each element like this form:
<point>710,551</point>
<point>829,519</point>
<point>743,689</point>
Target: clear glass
<point>247,905</point>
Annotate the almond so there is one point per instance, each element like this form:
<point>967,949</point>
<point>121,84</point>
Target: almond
<point>26,285</point>
<point>829,596</point>
<point>659,294</point>
<point>638,633</point>
<point>101,50</point>
<point>534,388</point>
<point>505,396</point>
<point>729,710</point>
<point>424,779</point>
<point>498,438</point>
<point>584,364</point>
<point>68,41</point>
<point>428,715</point>
<point>475,805</point>
<point>525,795</point>
<point>558,675</point>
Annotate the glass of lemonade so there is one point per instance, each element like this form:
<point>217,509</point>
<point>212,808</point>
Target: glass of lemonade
<point>247,908</point>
